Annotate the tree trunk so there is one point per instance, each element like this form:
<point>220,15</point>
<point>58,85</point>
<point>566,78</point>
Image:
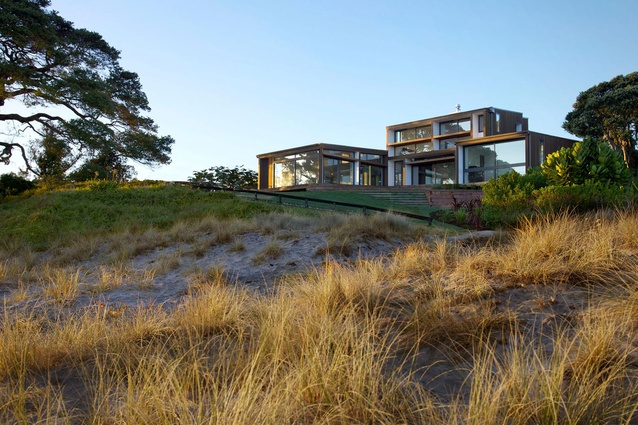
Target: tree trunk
<point>627,151</point>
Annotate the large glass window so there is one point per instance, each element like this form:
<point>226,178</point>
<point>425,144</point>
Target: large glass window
<point>336,171</point>
<point>422,132</point>
<point>415,148</point>
<point>454,126</point>
<point>297,169</point>
<point>370,175</point>
<point>484,162</point>
<point>435,173</point>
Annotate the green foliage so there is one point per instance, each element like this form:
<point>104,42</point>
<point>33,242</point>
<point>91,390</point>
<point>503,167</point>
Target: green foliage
<point>106,166</point>
<point>584,197</point>
<point>511,196</point>
<point>584,162</point>
<point>226,178</point>
<point>47,64</point>
<point>608,111</point>
<point>513,190</point>
<point>11,184</point>
<point>52,218</point>
<point>52,158</point>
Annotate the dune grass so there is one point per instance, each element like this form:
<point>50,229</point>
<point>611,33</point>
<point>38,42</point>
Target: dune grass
<point>345,343</point>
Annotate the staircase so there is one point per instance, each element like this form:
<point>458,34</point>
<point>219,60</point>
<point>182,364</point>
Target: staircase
<point>401,196</point>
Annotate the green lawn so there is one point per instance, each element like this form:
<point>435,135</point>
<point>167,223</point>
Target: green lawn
<point>355,197</point>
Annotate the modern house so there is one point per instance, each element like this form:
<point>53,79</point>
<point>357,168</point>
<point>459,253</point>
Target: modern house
<point>462,147</point>
<point>322,163</point>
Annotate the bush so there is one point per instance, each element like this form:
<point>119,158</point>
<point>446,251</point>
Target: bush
<point>11,184</point>
<point>584,197</point>
<point>510,196</point>
<point>586,162</point>
<point>513,190</point>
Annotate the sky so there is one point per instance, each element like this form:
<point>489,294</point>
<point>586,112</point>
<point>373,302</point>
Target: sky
<point>229,80</point>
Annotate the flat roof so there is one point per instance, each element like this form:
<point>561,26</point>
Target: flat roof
<point>447,116</point>
<point>322,146</point>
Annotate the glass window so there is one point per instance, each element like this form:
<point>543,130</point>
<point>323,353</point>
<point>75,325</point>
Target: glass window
<point>347,154</point>
<point>371,157</point>
<point>413,133</point>
<point>398,173</point>
<point>436,173</point>
<point>480,156</point>
<point>370,175</point>
<point>330,170</point>
<point>291,170</point>
<point>455,126</point>
<point>406,150</point>
<point>424,147</point>
<point>405,135</point>
<point>307,168</point>
<point>464,125</point>
<point>423,132</point>
<point>481,123</point>
<point>346,172</point>
<point>336,171</point>
<point>483,162</point>
<point>510,152</point>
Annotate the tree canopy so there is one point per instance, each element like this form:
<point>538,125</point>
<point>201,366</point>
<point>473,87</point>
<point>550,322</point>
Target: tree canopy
<point>608,111</point>
<point>74,89</point>
<point>226,178</point>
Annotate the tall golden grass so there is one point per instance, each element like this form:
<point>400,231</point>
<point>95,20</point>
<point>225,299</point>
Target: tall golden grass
<point>349,343</point>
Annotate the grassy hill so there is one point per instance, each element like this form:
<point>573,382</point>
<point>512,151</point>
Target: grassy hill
<point>537,325</point>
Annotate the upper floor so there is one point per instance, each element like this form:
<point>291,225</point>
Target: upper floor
<point>442,133</point>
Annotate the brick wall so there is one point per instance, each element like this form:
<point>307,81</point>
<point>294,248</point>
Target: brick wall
<point>445,197</point>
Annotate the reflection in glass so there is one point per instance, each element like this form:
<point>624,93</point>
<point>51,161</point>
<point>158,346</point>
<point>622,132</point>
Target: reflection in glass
<point>436,173</point>
<point>483,162</point>
<point>370,175</point>
<point>398,173</point>
<point>511,152</point>
<point>336,171</point>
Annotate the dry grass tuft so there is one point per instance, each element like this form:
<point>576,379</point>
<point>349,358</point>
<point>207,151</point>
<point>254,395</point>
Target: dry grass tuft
<point>271,251</point>
<point>60,284</point>
<point>214,275</point>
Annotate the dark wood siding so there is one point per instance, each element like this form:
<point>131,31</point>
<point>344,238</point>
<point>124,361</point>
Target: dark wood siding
<point>550,144</point>
<point>508,119</point>
<point>264,173</point>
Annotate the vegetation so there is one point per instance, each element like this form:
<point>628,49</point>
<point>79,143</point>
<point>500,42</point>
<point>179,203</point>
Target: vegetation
<point>587,176</point>
<point>79,101</point>
<point>226,178</point>
<point>609,112</point>
<point>586,162</point>
<point>11,184</point>
<point>99,208</point>
<point>537,326</point>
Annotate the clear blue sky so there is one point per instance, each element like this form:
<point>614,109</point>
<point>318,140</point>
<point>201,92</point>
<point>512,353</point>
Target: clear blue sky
<point>232,79</point>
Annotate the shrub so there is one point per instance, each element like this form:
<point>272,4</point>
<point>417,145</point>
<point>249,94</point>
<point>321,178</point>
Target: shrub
<point>11,184</point>
<point>586,161</point>
<point>511,196</point>
<point>584,197</point>
<point>513,190</point>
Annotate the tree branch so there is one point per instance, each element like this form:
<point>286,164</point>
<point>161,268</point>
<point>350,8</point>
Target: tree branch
<point>28,119</point>
<point>6,154</point>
